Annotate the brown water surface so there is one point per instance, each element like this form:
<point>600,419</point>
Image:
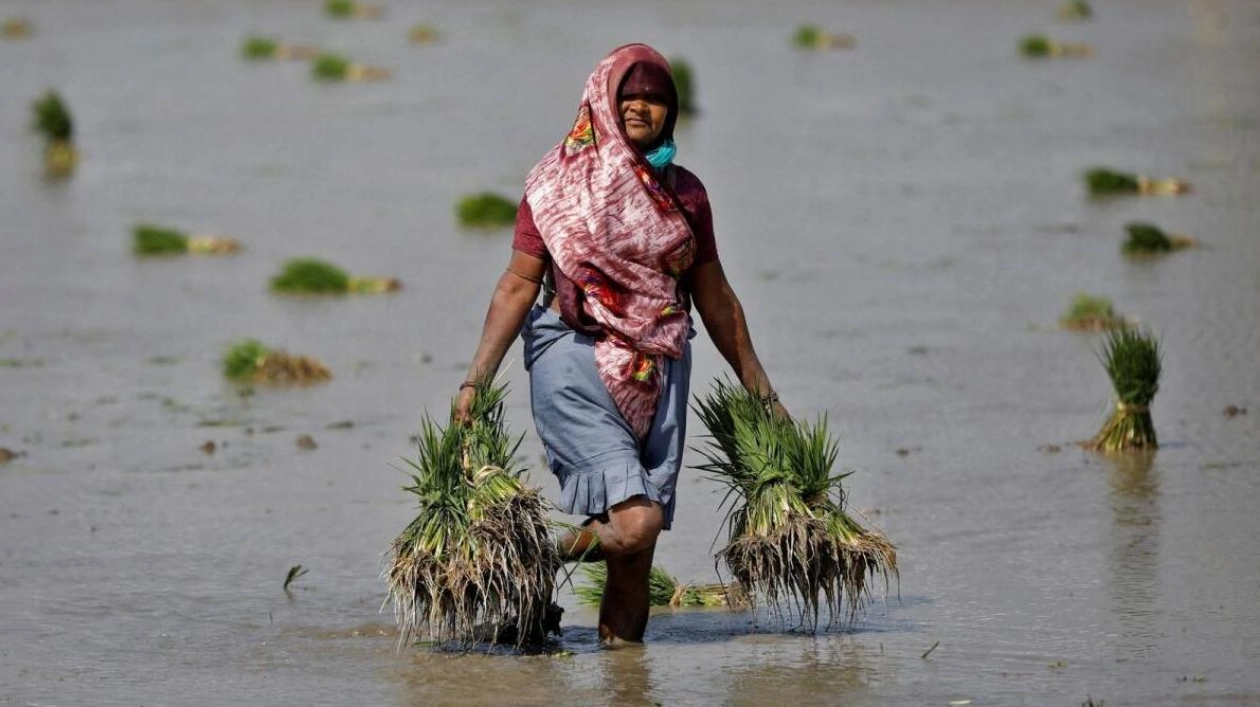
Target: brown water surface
<point>904,223</point>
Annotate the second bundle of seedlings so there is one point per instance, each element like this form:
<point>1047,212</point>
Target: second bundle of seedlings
<point>317,277</point>
<point>790,538</point>
<point>54,122</point>
<point>251,361</point>
<point>148,239</point>
<point>479,551</point>
<point>664,590</point>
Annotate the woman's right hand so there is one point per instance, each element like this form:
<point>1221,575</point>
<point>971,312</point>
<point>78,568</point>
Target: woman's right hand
<point>463,404</point>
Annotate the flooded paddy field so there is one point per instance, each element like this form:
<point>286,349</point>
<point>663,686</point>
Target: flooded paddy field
<point>904,222</point>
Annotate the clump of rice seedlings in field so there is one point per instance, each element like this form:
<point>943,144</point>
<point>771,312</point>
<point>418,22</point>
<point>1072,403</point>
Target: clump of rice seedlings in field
<point>54,122</point>
<point>810,36</point>
<point>314,276</point>
<point>1039,46</point>
<point>1149,239</point>
<point>250,361</point>
<point>1103,181</point>
<point>259,48</point>
<point>148,239</point>
<point>1132,359</point>
<point>1090,313</point>
<point>479,551</point>
<point>16,28</point>
<point>789,536</point>
<point>664,590</point>
<point>423,33</point>
<point>343,9</point>
<point>1076,10</point>
<point>485,210</point>
<point>685,85</point>
<point>334,67</point>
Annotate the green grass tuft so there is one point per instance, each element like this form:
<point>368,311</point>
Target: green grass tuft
<point>311,275</point>
<point>485,210</point>
<point>330,67</point>
<point>1146,239</point>
<point>243,358</point>
<point>52,118</point>
<point>684,83</point>
<point>1101,181</point>
<point>1035,46</point>
<point>808,36</point>
<point>257,47</point>
<point>157,240</point>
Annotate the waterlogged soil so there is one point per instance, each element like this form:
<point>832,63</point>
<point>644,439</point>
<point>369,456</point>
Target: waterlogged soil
<point>904,222</point>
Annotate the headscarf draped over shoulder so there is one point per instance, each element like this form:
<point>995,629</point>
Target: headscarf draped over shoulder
<point>614,229</point>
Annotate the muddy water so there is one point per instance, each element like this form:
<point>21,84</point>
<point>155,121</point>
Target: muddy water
<point>904,223</point>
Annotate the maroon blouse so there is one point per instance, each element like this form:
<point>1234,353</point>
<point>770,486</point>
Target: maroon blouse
<point>695,204</point>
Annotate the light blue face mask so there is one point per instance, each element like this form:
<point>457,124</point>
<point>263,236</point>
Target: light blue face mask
<point>660,156</point>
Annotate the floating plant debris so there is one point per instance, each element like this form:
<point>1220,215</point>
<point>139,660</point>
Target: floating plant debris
<point>148,239</point>
<point>54,122</point>
<point>663,590</point>
<point>295,572</point>
<point>1076,10</point>
<point>485,210</point>
<point>313,276</point>
<point>334,67</point>
<point>1039,46</point>
<point>343,9</point>
<point>259,48</point>
<point>1090,313</point>
<point>479,550</point>
<point>250,361</point>
<point>809,36</point>
<point>1149,239</point>
<point>423,34</point>
<point>1132,359</point>
<point>1102,181</point>
<point>789,536</point>
<point>16,28</point>
<point>684,84</point>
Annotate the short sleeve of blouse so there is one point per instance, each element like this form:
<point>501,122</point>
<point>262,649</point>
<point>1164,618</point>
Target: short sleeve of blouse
<point>527,239</point>
<point>695,202</point>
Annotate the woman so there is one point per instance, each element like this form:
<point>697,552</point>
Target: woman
<point>624,241</point>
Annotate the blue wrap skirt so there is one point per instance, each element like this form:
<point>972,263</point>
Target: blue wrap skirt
<point>590,448</point>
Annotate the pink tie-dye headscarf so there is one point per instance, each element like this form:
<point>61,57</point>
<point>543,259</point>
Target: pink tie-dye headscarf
<point>620,235</point>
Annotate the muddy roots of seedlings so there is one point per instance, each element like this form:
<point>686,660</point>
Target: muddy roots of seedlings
<point>665,590</point>
<point>790,539</point>
<point>1132,359</point>
<point>479,552</point>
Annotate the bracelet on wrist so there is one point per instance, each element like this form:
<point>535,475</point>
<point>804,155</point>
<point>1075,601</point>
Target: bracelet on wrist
<point>468,384</point>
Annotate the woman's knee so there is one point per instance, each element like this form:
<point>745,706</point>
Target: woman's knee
<point>637,523</point>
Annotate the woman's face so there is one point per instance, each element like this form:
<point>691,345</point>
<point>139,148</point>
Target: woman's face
<point>643,117</point>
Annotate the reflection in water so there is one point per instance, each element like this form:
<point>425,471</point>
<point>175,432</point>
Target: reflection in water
<point>1134,556</point>
<point>824,671</point>
<point>627,677</point>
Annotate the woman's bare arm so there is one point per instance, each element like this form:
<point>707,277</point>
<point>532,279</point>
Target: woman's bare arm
<point>513,296</point>
<point>723,318</point>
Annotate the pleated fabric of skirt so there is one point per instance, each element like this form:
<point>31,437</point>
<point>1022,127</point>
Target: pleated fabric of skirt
<point>590,447</point>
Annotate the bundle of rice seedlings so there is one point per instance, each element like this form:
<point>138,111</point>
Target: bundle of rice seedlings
<point>1090,313</point>
<point>342,9</point>
<point>664,590</point>
<point>1103,181</point>
<point>485,210</point>
<point>1149,239</point>
<point>1132,359</point>
<point>334,67</point>
<point>685,85</point>
<point>1076,10</point>
<point>789,537</point>
<point>54,122</point>
<point>259,48</point>
<point>479,551</point>
<point>16,28</point>
<point>1039,46</point>
<point>423,33</point>
<point>250,361</point>
<point>148,239</point>
<point>810,36</point>
<point>313,276</point>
